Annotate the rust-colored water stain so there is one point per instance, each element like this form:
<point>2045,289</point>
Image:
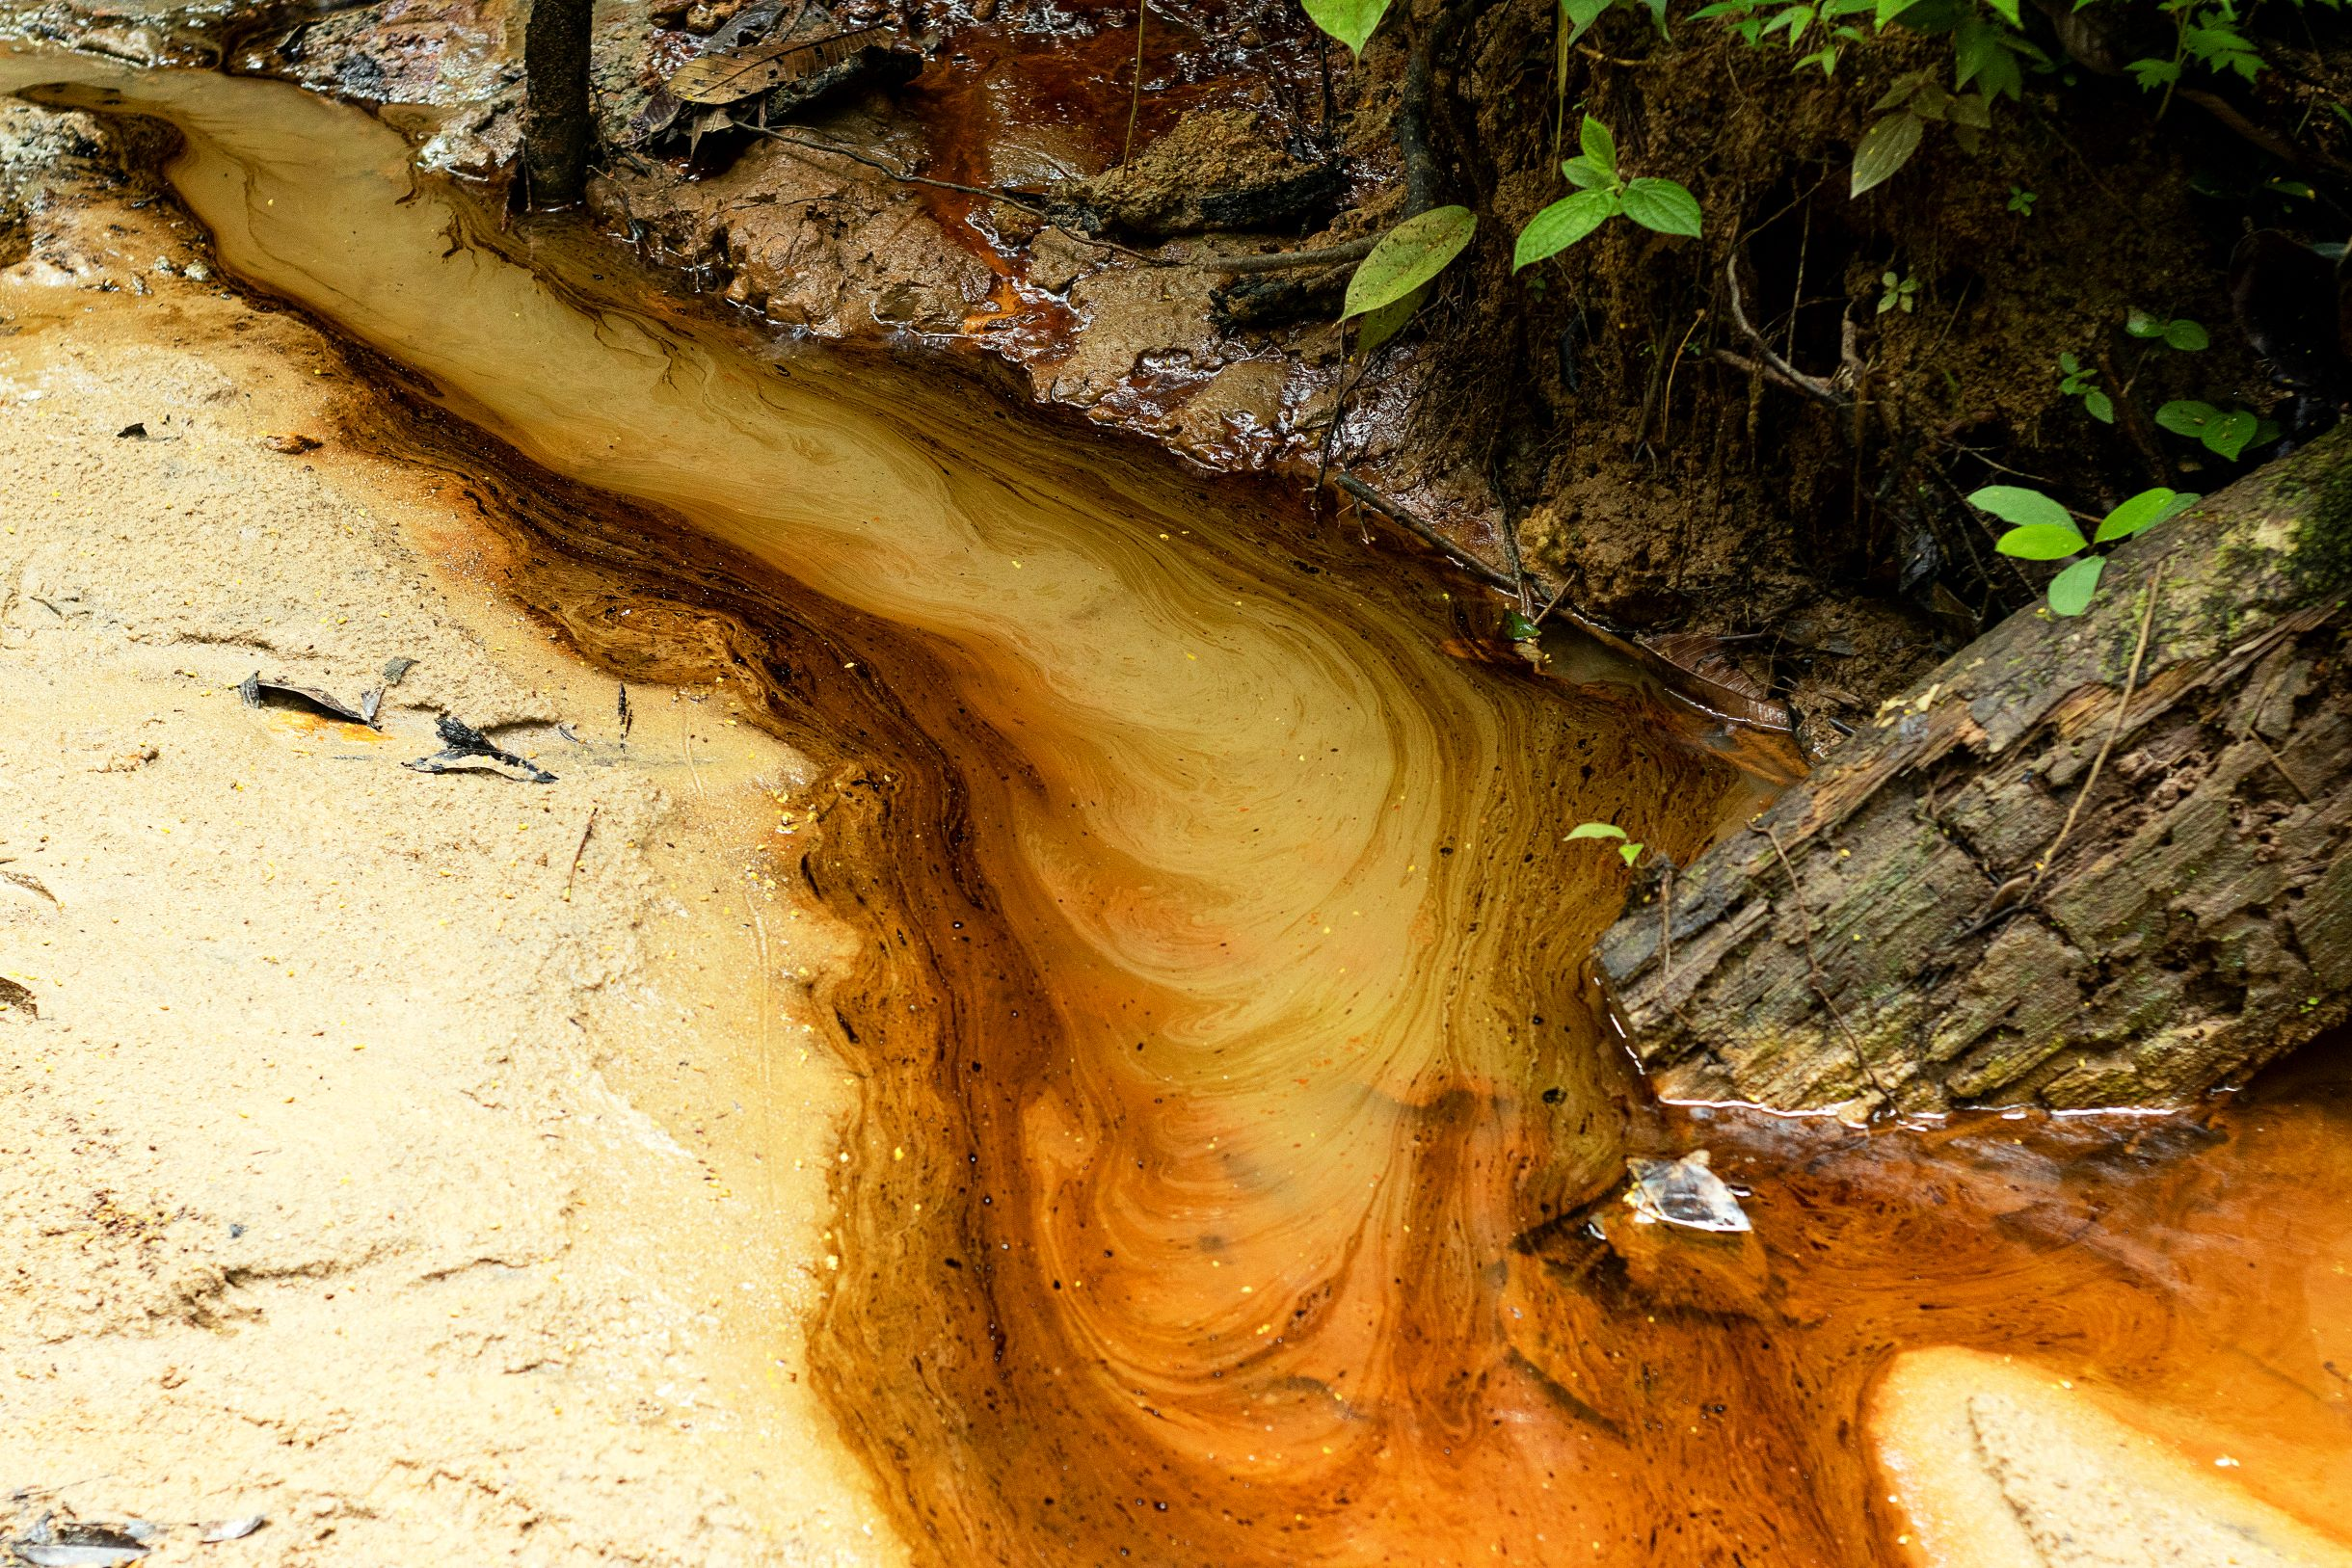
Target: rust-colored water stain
<point>1220,979</point>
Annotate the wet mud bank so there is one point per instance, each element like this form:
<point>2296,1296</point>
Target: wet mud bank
<point>1234,1168</point>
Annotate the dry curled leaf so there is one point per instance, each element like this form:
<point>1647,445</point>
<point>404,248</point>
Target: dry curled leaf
<point>727,76</point>
<point>1712,679</point>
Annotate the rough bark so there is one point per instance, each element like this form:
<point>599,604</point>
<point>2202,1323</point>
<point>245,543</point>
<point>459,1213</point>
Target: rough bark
<point>1879,938</point>
<point>557,129</point>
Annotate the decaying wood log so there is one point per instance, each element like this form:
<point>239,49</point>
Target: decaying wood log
<point>1896,933</point>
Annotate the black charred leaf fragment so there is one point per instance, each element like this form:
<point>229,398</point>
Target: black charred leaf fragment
<point>258,693</point>
<point>72,1544</point>
<point>77,1556</point>
<point>463,743</point>
<point>136,432</point>
<point>15,998</point>
<point>627,717</point>
<point>394,669</point>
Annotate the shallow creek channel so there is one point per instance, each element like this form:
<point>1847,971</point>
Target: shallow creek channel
<point>1232,1095</point>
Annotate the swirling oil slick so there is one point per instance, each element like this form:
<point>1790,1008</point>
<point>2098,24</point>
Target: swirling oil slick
<point>1229,1085</point>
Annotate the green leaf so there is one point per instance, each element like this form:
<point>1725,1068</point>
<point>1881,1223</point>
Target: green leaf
<point>2232,432</point>
<point>1630,852</point>
<point>2006,9</point>
<point>2186,337</point>
<point>2041,542</point>
<point>1586,175</point>
<point>1562,224</point>
<point>1889,10</point>
<point>2071,590</point>
<point>2099,406</point>
<point>1594,830</point>
<point>2011,503</point>
<point>1580,15</point>
<point>2186,416</point>
<point>1384,322</point>
<point>1599,144</point>
<point>1408,256</point>
<point>2140,324</point>
<point>1519,628</point>
<point>1350,21</point>
<point>2069,365</point>
<point>1663,205</point>
<point>2151,75</point>
<point>1885,147</point>
<point>2142,513</point>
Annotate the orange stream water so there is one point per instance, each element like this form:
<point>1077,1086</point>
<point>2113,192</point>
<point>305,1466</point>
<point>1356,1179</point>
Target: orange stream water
<point>1231,1088</point>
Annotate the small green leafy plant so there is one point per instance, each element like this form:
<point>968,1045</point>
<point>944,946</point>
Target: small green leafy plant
<point>1629,850</point>
<point>2077,380</point>
<point>2224,433</point>
<point>2180,334</point>
<point>1897,293</point>
<point>1602,193</point>
<point>2046,531</point>
<point>2021,201</point>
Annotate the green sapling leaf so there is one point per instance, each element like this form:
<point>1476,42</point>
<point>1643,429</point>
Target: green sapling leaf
<point>1581,15</point>
<point>1350,21</point>
<point>2142,513</point>
<point>2013,503</point>
<point>2070,591</point>
<point>1662,205</point>
<point>1599,145</point>
<point>2041,542</point>
<point>1408,256</point>
<point>1885,147</point>
<point>1562,224</point>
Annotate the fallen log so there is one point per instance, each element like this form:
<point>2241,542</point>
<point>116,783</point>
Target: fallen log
<point>1917,928</point>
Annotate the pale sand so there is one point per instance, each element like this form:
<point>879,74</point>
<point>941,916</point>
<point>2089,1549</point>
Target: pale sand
<point>351,1173</point>
<point>1991,1463</point>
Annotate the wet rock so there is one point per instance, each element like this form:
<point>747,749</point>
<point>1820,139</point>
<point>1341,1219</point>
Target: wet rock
<point>1216,169</point>
<point>1161,315</point>
<point>809,242</point>
<point>459,57</point>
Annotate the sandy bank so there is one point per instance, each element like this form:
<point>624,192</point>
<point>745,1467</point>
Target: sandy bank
<point>433,1164</point>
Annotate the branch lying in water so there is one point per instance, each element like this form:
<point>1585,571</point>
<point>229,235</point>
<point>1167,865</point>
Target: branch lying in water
<point>991,193</point>
<point>1727,702</point>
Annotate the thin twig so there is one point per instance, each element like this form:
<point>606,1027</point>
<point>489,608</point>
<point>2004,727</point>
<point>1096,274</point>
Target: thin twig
<point>1813,965</point>
<point>992,194</point>
<point>2131,683</point>
<point>1511,550</point>
<point>1812,386</point>
<point>1666,414</point>
<point>1327,255</point>
<point>581,849</point>
<point>2293,783</point>
<point>1549,605</point>
<point>1134,100</point>
<point>1395,513</point>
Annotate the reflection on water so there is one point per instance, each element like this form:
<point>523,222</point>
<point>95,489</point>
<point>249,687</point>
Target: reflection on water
<point>1231,1089</point>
